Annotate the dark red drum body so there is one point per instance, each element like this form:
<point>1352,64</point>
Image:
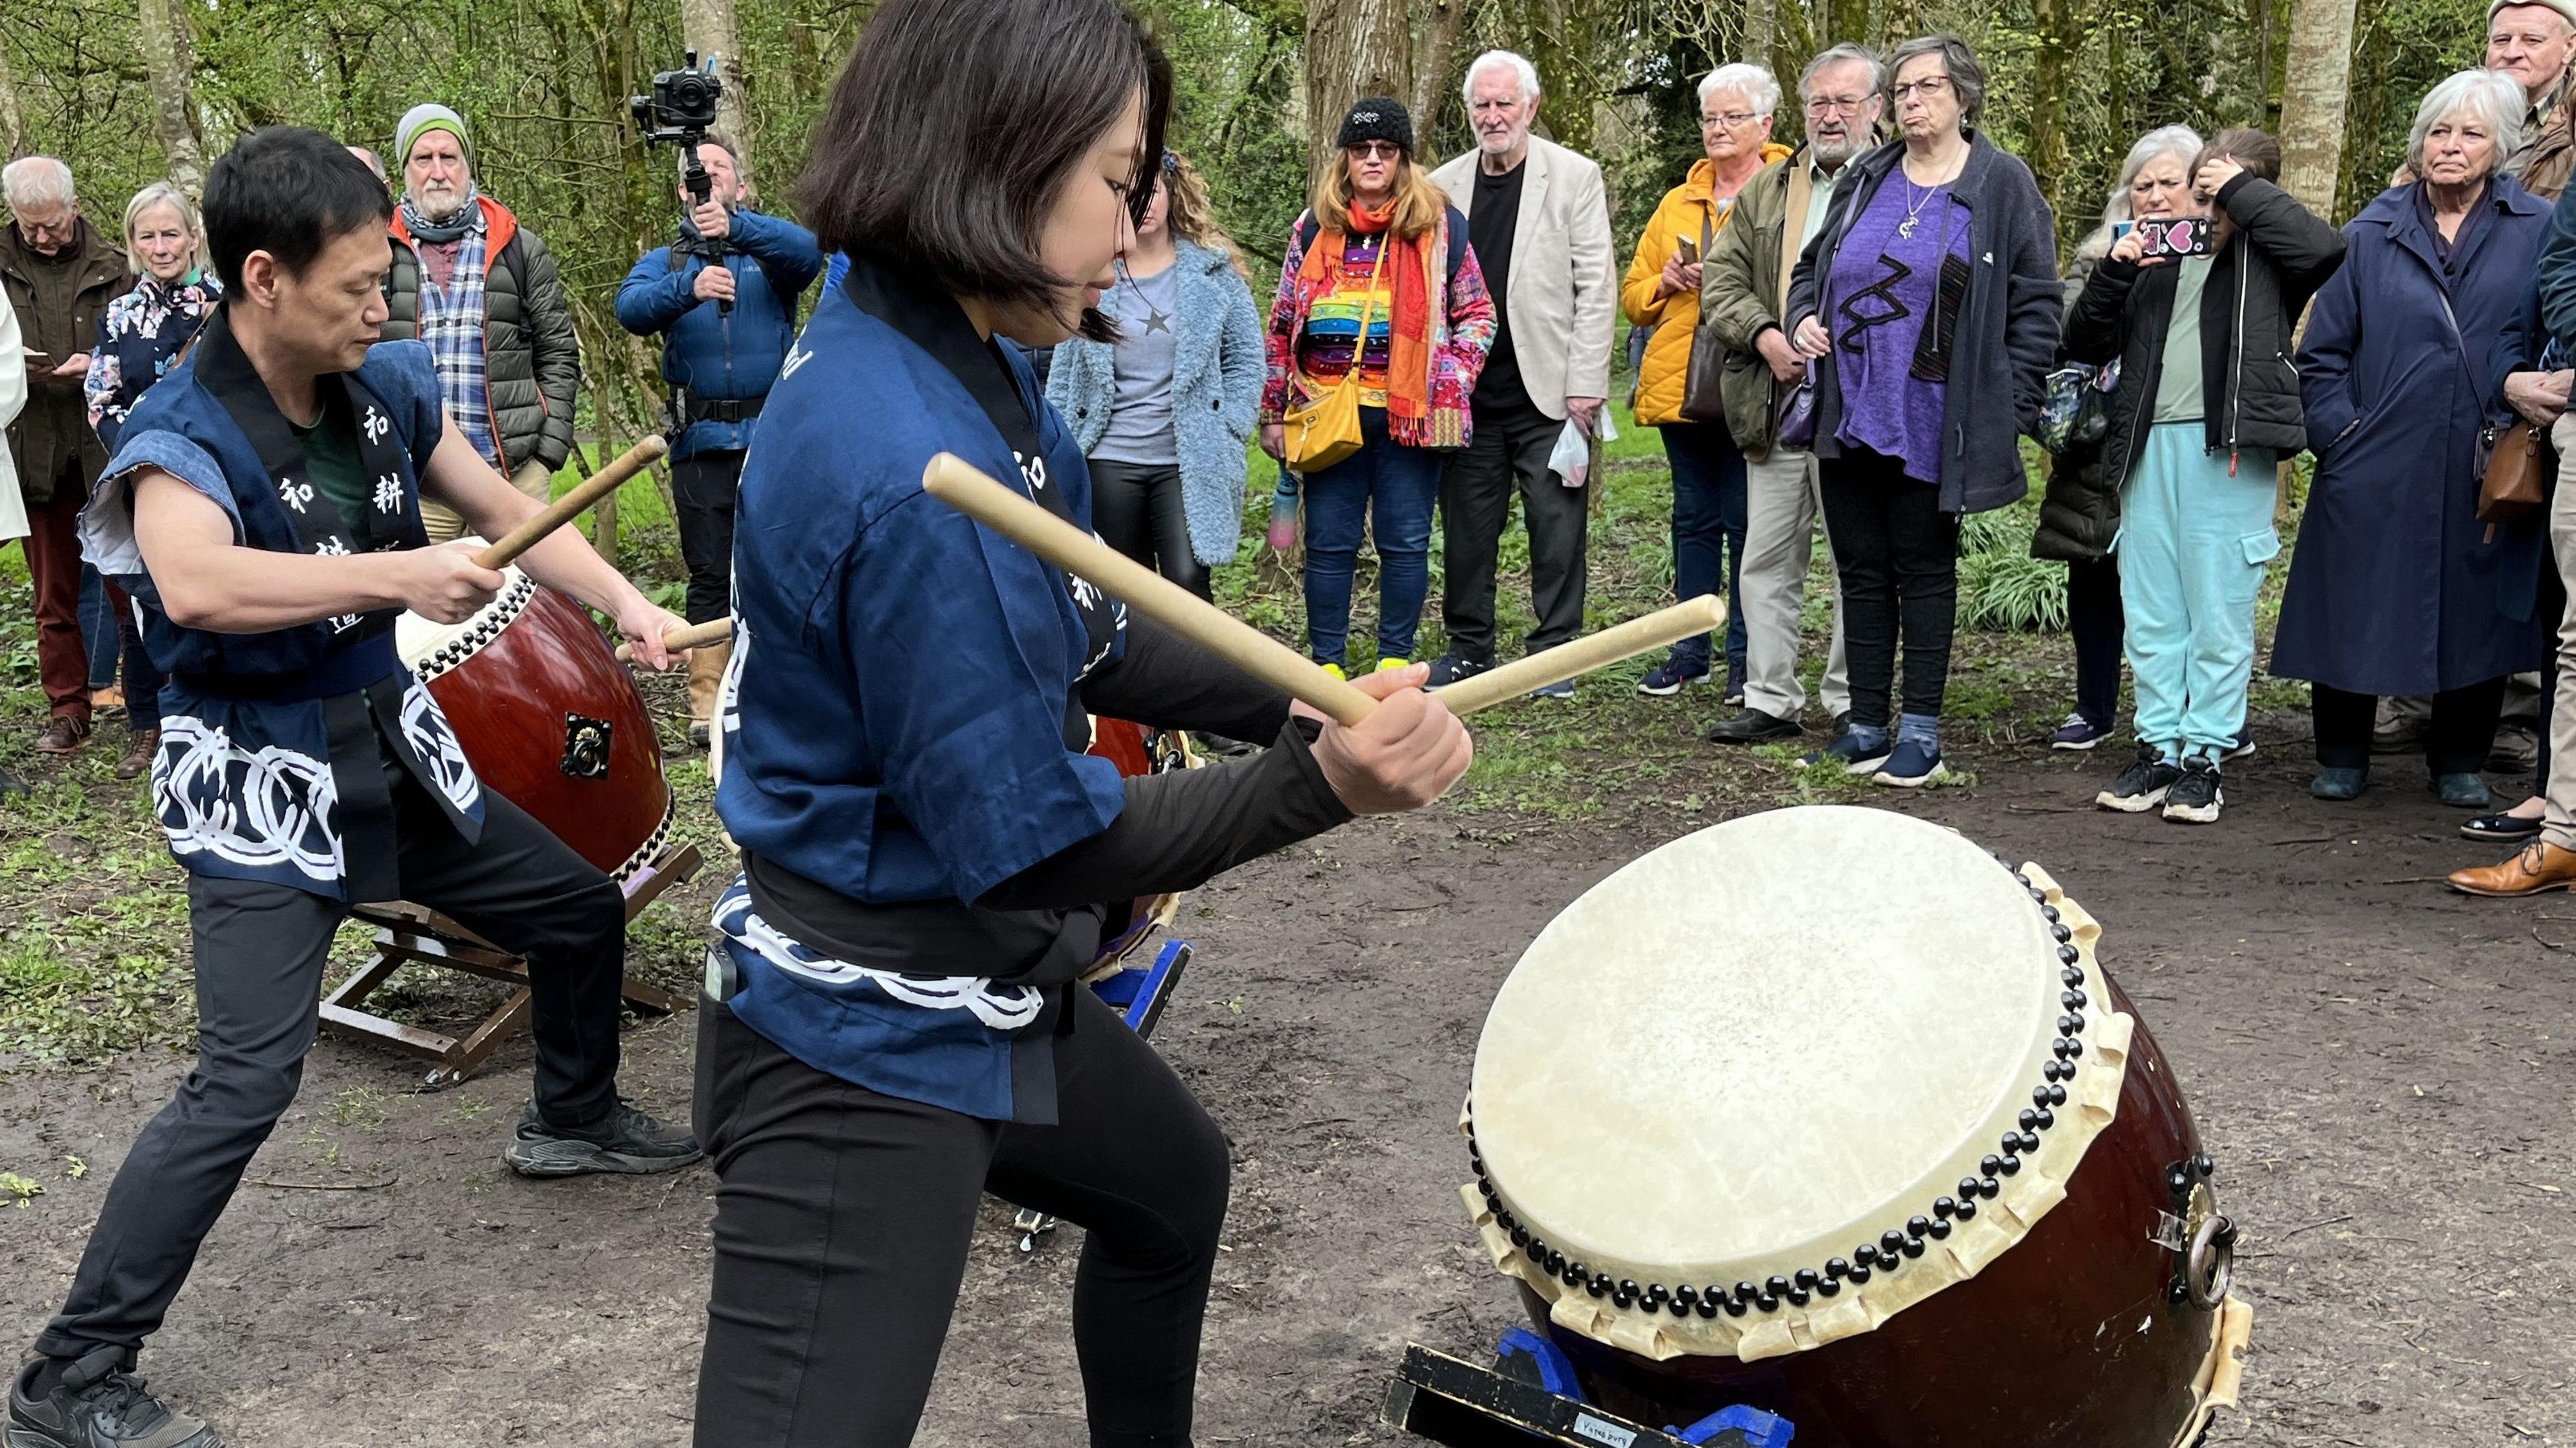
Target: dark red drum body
<point>1136,751</point>
<point>1827,1112</point>
<point>550,720</point>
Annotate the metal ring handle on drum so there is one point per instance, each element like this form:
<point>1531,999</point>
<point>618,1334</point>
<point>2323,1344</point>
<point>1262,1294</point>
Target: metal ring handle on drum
<point>2209,1267</point>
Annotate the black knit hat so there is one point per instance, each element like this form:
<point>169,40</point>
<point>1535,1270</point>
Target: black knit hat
<point>1378,118</point>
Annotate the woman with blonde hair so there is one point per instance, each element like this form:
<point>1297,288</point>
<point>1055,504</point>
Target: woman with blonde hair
<point>1381,291</point>
<point>140,338</point>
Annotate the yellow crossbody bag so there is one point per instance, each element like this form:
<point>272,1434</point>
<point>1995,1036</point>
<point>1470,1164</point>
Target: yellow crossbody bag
<point>1326,429</point>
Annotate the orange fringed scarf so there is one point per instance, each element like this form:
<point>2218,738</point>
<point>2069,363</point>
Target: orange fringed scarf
<point>1407,266</point>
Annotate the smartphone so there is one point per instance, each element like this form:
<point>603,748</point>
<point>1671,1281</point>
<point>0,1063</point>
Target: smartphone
<point>1688,249</point>
<point>2178,236</point>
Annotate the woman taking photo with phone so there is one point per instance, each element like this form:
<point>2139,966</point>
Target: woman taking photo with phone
<point>892,1026</point>
<point>1381,295</point>
<point>2204,411</point>
<point>2396,587</point>
<point>1661,292</point>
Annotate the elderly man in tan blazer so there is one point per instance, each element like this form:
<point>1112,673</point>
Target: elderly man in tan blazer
<point>1539,221</point>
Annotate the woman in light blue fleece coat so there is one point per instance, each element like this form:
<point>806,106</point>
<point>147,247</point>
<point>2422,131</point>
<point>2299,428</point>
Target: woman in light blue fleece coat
<point>1163,413</point>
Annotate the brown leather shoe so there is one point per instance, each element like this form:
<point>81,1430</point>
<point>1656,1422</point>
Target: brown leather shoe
<point>139,747</point>
<point>63,733</point>
<point>2541,866</point>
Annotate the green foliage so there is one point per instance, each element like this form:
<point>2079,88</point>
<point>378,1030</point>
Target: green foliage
<point>2000,585</point>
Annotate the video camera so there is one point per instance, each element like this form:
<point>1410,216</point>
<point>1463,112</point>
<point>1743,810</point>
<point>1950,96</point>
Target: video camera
<point>678,113</point>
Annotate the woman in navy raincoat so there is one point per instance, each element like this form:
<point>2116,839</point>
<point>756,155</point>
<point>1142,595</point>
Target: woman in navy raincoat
<point>2396,587</point>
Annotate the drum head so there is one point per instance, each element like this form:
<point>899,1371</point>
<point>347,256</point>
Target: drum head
<point>432,648</point>
<point>1764,1045</point>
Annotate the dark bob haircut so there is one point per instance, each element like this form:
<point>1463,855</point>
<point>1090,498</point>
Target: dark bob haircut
<point>289,192</point>
<point>957,122</point>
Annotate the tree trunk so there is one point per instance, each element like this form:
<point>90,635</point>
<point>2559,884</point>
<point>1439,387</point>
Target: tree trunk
<point>166,65</point>
<point>1761,33</point>
<point>13,120</point>
<point>1431,80</point>
<point>2315,91</point>
<point>2048,146</point>
<point>1354,48</point>
<point>706,26</point>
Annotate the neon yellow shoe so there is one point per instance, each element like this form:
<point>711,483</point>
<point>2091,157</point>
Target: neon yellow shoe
<point>1385,664</point>
<point>1336,671</point>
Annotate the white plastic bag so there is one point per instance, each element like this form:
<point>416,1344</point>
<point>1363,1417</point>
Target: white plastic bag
<point>1572,459</point>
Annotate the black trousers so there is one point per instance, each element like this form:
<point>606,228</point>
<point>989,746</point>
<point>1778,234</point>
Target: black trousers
<point>1897,555</point>
<point>2094,616</point>
<point>702,488</point>
<point>1138,509</point>
<point>843,1219</point>
<point>2457,741</point>
<point>1508,452</point>
<point>260,949</point>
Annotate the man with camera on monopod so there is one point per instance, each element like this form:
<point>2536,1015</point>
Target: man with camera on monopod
<point>724,298</point>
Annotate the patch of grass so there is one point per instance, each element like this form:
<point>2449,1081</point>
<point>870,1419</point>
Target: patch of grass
<point>18,1191</point>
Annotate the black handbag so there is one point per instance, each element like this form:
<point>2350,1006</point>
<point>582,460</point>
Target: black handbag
<point>1796,420</point>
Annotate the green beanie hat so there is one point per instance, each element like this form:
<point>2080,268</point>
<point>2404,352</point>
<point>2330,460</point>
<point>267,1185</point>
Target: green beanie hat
<point>422,119</point>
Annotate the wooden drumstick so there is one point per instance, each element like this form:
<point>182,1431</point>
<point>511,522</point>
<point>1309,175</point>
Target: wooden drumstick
<point>564,509</point>
<point>695,636</point>
<point>956,482</point>
<point>1581,656</point>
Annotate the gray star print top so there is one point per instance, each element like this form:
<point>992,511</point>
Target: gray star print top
<point>1140,424</point>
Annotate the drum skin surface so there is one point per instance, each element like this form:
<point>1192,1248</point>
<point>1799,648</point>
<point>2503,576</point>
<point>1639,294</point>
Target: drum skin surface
<point>1662,1092</point>
<point>517,702</point>
<point>2066,1341</point>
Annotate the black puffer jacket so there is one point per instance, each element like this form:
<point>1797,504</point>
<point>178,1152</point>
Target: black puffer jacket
<point>531,356</point>
<point>2079,512</point>
<point>2257,288</point>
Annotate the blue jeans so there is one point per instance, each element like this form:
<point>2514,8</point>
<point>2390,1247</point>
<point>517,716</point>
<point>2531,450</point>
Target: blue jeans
<point>1708,533</point>
<point>1386,490</point>
<point>98,628</point>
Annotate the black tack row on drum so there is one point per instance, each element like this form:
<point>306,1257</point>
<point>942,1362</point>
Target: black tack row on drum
<point>1894,1246</point>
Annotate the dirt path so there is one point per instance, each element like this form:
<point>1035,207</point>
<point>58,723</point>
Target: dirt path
<point>2382,1071</point>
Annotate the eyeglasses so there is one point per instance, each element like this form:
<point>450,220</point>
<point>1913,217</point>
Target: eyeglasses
<point>1375,150</point>
<point>1928,87</point>
<point>1828,105</point>
<point>1732,120</point>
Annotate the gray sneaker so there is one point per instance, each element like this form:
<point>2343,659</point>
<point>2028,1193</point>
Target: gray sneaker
<point>628,1142</point>
<point>98,1404</point>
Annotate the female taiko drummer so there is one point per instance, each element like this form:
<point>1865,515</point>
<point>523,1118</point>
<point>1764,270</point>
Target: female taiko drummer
<point>925,843</point>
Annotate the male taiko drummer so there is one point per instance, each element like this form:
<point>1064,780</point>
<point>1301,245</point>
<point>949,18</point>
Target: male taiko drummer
<point>264,512</point>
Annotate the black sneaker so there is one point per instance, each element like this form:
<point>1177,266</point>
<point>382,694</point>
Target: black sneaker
<point>1753,726</point>
<point>1450,668</point>
<point>2143,785</point>
<point>2196,797</point>
<point>98,1404</point>
<point>628,1142</point>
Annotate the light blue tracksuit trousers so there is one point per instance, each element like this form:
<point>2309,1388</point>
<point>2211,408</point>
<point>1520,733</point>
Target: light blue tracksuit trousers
<point>2192,548</point>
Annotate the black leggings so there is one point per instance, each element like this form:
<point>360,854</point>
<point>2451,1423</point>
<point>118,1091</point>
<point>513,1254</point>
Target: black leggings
<point>1138,509</point>
<point>2094,616</point>
<point>2456,741</point>
<point>1897,556</point>
<point>843,1220</point>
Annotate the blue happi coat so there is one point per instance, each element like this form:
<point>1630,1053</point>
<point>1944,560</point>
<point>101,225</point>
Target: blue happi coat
<point>270,766</point>
<point>2396,587</point>
<point>900,724</point>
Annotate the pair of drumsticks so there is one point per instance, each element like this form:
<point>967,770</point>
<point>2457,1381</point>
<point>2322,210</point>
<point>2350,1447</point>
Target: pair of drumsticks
<point>962,486</point>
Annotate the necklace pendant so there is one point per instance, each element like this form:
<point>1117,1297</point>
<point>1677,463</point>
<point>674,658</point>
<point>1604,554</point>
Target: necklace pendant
<point>1905,229</point>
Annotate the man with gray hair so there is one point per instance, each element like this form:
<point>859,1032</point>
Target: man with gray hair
<point>483,292</point>
<point>59,274</point>
<point>1743,288</point>
<point>1538,219</point>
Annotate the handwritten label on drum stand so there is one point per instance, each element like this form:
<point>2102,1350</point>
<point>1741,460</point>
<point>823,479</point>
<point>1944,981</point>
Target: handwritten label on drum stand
<point>1587,1426</point>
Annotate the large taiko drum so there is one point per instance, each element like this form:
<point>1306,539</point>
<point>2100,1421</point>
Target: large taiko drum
<point>550,720</point>
<point>1829,1112</point>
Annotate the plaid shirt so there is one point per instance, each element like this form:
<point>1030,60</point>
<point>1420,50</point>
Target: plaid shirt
<point>451,322</point>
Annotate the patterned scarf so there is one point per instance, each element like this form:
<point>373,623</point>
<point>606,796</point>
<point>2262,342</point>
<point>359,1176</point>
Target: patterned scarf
<point>1408,262</point>
<point>451,322</point>
<point>468,217</point>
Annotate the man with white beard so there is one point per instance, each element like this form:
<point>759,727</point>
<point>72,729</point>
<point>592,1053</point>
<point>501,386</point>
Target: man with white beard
<point>1742,287</point>
<point>1539,221</point>
<point>483,292</point>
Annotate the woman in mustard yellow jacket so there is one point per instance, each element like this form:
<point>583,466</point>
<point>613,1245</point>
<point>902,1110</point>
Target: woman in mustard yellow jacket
<point>1662,291</point>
